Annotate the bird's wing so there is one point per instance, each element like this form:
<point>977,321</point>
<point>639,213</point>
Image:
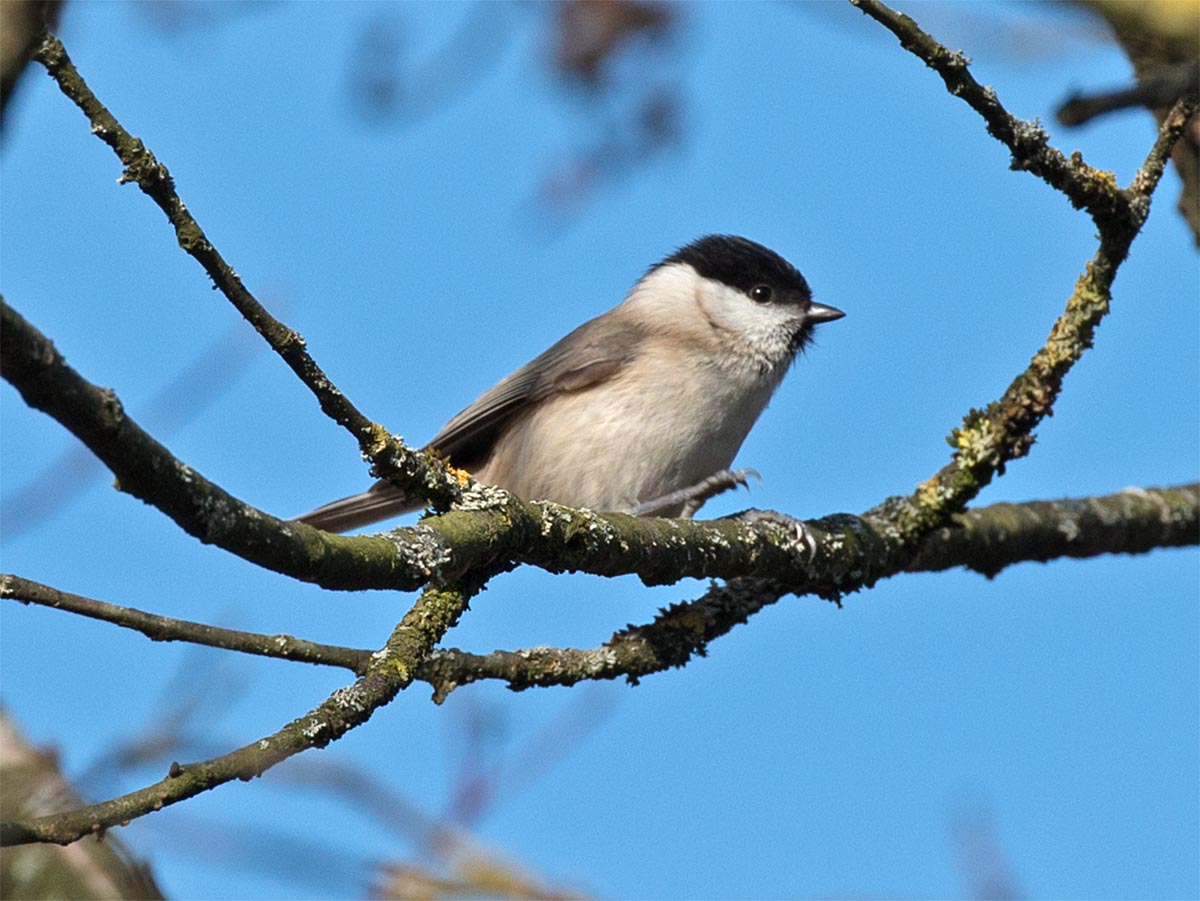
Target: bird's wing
<point>382,500</point>
<point>588,356</point>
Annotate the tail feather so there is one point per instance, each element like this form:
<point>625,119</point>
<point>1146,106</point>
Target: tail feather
<point>381,501</point>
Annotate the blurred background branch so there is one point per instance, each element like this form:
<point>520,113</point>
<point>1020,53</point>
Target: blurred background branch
<point>33,786</point>
<point>1162,40</point>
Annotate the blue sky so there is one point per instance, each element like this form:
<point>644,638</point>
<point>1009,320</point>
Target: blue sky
<point>815,752</point>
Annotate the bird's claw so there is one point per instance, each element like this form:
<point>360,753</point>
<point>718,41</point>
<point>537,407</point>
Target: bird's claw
<point>796,530</point>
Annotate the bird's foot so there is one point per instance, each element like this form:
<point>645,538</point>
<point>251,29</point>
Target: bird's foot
<point>694,496</point>
<point>797,531</point>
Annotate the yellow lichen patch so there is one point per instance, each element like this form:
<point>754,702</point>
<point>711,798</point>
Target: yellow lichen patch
<point>379,439</point>
<point>976,442</point>
<point>395,665</point>
<point>1106,178</point>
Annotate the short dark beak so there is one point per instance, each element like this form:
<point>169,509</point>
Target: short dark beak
<point>818,312</point>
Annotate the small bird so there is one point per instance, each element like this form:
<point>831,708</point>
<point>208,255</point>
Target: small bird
<point>642,409</point>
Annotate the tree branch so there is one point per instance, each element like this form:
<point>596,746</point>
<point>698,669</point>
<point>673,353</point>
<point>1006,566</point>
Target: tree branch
<point>165,628</point>
<point>1132,521</point>
<point>390,670</point>
<point>1087,188</point>
<point>427,477</point>
<point>492,531</point>
<point>1158,91</point>
<point>1151,171</point>
<point>986,540</point>
<point>148,471</point>
<point>989,439</point>
<point>985,442</point>
<point>854,552</point>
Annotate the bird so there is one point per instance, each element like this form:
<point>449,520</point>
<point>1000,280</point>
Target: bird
<point>640,410</point>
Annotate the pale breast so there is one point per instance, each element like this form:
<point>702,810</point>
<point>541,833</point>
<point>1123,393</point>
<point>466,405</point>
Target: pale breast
<point>620,443</point>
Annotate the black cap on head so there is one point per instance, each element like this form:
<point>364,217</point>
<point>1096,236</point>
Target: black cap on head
<point>741,264</point>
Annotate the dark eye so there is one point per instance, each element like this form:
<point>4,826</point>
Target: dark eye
<point>761,293</point>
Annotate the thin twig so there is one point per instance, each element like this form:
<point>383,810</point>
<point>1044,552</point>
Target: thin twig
<point>1151,171</point>
<point>1086,188</point>
<point>165,628</point>
<point>1158,91</point>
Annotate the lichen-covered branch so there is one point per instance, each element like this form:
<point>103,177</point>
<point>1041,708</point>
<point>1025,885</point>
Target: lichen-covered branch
<point>148,471</point>
<point>1132,521</point>
<point>390,670</point>
<point>1170,131</point>
<point>985,442</point>
<point>990,438</point>
<point>166,628</point>
<point>422,474</point>
<point>986,540</point>
<point>677,634</point>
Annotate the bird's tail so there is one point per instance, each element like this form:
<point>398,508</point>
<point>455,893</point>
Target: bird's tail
<point>381,501</point>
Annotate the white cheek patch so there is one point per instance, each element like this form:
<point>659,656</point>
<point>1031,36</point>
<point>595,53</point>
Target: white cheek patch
<point>767,328</point>
<point>737,332</point>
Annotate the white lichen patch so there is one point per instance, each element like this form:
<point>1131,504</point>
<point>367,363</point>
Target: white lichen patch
<point>350,698</point>
<point>422,548</point>
<point>600,533</point>
<point>483,497</point>
<point>716,538</point>
<point>552,515</point>
<point>1069,528</point>
<point>222,511</point>
<point>600,661</point>
<point>312,728</point>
